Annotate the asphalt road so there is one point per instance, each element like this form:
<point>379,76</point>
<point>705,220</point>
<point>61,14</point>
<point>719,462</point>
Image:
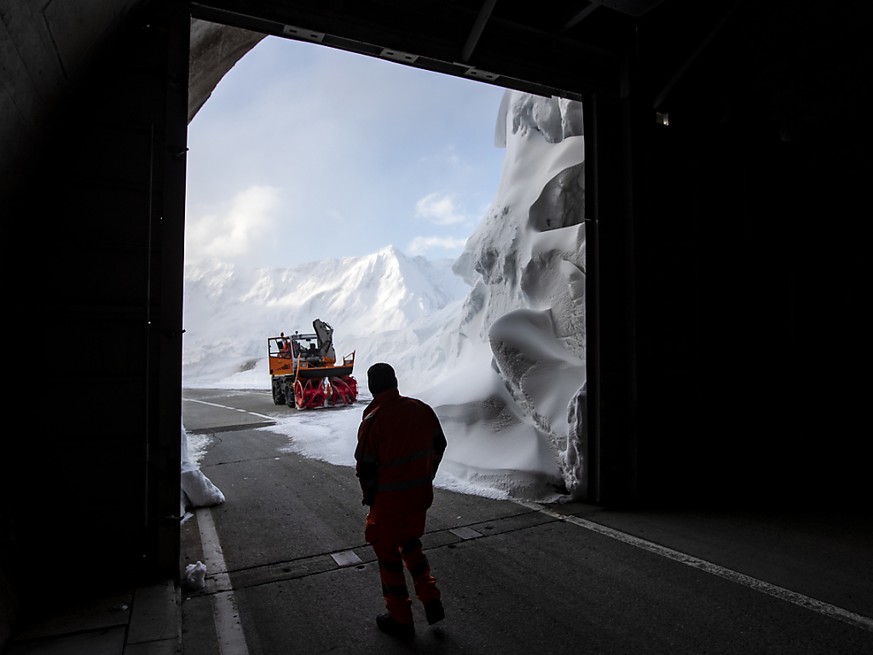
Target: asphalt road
<point>288,570</point>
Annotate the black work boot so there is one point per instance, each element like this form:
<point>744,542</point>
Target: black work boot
<point>434,611</point>
<point>389,626</point>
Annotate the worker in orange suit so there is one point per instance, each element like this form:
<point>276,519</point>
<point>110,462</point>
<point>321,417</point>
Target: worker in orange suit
<point>400,446</point>
<point>284,346</point>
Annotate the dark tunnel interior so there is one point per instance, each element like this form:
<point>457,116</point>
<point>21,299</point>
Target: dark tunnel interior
<point>727,179</point>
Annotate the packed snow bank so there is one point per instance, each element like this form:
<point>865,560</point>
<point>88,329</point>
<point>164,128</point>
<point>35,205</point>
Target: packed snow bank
<point>197,489</point>
<point>526,265</point>
<point>542,378</point>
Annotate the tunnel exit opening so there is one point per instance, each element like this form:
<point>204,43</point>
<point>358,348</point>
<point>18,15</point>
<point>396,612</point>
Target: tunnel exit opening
<point>544,262</point>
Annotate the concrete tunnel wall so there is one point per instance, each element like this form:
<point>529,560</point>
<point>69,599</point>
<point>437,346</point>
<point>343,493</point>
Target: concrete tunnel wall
<point>92,247</point>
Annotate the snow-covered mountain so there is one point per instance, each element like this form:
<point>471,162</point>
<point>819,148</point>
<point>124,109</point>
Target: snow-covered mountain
<point>496,343</point>
<point>230,312</point>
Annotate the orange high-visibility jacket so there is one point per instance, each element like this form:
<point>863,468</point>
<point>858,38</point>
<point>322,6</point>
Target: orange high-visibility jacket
<point>400,446</point>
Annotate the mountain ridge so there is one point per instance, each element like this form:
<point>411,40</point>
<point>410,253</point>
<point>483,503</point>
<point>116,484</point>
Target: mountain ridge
<point>359,297</point>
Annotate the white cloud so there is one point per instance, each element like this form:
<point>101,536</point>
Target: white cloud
<point>239,229</point>
<point>421,245</point>
<point>351,142</point>
<point>439,209</point>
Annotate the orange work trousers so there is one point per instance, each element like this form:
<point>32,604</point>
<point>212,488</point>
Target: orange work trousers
<point>396,541</point>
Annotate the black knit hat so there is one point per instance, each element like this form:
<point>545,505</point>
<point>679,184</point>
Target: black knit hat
<point>381,377</point>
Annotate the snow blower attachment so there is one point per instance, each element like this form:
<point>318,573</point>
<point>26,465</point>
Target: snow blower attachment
<point>305,372</point>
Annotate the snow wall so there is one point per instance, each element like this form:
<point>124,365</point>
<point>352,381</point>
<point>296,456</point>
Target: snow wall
<point>526,266</point>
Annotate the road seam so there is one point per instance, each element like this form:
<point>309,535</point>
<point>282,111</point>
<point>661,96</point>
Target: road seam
<point>826,609</point>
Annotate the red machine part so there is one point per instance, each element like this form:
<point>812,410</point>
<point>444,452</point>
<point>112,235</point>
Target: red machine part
<point>309,393</point>
<point>316,392</point>
<point>343,390</point>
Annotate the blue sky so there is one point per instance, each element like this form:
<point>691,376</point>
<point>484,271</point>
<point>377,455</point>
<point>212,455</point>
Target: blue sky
<point>305,153</point>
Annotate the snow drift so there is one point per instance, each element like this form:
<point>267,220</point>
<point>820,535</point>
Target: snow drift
<point>526,266</point>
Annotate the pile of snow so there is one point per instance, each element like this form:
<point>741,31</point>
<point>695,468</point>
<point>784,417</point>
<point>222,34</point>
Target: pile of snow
<point>197,489</point>
<point>498,348</point>
<point>195,576</point>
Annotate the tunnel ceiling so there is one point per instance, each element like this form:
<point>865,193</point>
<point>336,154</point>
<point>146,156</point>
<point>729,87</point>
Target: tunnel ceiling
<point>552,47</point>
<point>801,61</point>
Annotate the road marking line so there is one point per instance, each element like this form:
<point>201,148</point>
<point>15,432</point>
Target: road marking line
<point>826,609</point>
<point>234,409</point>
<point>225,612</point>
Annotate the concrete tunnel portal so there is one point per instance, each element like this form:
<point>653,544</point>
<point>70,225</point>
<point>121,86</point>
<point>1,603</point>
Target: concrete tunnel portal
<point>727,261</point>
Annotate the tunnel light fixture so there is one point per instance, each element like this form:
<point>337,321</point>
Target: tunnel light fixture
<point>303,34</point>
<point>396,55</point>
<point>480,74</point>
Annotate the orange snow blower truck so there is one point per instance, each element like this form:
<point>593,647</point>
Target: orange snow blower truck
<point>305,373</point>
